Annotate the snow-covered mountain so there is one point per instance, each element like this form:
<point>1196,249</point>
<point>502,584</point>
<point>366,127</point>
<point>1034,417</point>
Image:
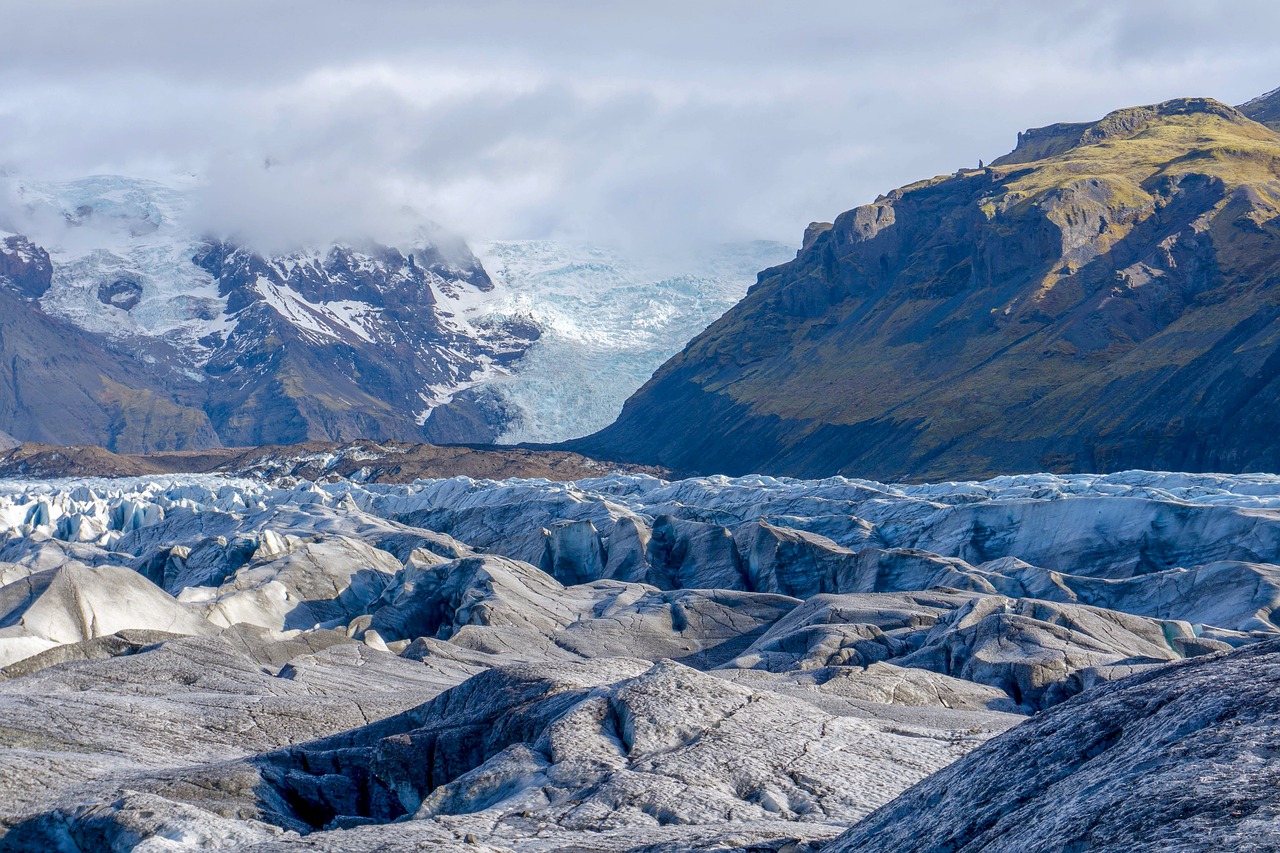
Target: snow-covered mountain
<point>154,336</point>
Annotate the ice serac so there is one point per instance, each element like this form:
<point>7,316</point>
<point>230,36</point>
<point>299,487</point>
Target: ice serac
<point>298,584</point>
<point>1177,758</point>
<point>75,602</point>
<point>1102,298</point>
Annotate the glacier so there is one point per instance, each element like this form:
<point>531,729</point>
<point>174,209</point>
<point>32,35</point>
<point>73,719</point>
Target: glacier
<point>624,662</point>
<point>106,228</point>
<point>608,321</point>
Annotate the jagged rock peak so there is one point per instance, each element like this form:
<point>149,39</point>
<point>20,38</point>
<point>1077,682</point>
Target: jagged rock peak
<point>24,267</point>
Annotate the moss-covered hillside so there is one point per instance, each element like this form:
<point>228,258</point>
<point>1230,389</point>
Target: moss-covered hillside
<point>1106,296</point>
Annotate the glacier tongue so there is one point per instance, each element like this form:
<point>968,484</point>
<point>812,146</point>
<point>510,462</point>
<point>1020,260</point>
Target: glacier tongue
<point>608,321</point>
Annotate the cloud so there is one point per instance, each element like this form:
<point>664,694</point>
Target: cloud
<point>660,123</point>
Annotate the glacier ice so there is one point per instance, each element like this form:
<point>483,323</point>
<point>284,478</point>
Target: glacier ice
<point>611,663</point>
<point>608,321</point>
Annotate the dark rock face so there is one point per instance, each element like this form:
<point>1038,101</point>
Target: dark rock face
<point>24,267</point>
<point>291,373</point>
<point>1103,298</point>
<point>1175,758</point>
<point>474,416</point>
<point>381,276</point>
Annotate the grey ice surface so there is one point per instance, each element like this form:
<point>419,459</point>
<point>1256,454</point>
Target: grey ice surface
<point>625,663</point>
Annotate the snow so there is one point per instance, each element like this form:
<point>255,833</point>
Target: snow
<point>356,317</point>
<point>104,228</point>
<point>608,321</point>
<point>323,319</point>
<point>1258,100</point>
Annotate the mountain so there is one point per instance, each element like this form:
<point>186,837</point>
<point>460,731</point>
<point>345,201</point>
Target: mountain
<point>128,327</point>
<point>1264,109</point>
<point>58,383</point>
<point>1104,297</point>
<point>125,328</point>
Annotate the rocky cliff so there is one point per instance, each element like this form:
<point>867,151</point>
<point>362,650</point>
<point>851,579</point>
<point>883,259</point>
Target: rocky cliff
<point>1103,297</point>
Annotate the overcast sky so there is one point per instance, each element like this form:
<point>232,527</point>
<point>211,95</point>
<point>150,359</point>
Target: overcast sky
<point>658,122</point>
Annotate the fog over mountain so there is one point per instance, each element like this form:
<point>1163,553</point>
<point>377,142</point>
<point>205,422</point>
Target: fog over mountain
<point>655,124</point>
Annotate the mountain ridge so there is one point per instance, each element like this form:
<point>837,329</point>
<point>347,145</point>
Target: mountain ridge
<point>362,461</point>
<point>145,334</point>
<point>1108,306</point>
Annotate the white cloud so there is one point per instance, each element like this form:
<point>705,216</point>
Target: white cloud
<point>659,122</point>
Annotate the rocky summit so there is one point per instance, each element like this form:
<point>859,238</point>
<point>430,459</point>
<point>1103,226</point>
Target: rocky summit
<point>1103,297</point>
<point>627,663</point>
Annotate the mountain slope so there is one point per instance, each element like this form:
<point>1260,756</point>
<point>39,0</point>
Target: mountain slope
<point>1264,109</point>
<point>1102,298</point>
<point>58,385</point>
